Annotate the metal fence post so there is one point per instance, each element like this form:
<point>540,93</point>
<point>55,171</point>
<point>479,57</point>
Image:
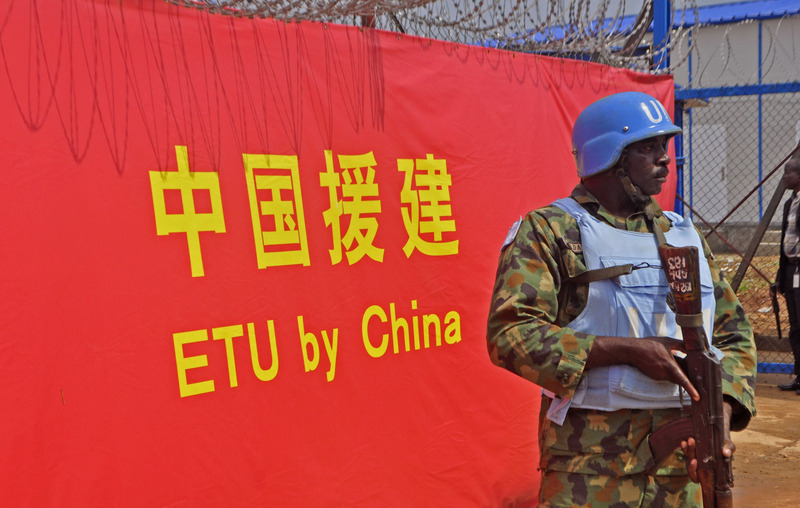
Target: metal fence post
<point>679,158</point>
<point>759,234</point>
<point>661,31</point>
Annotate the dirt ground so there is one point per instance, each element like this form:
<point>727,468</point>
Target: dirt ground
<point>766,466</point>
<point>754,292</point>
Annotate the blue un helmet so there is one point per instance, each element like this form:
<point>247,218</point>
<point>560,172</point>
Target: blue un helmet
<point>607,126</point>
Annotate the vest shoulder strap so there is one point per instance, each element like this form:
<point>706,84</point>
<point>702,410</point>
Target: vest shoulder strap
<point>600,274</point>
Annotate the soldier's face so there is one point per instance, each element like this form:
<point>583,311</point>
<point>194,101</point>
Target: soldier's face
<point>647,164</point>
<point>791,175</point>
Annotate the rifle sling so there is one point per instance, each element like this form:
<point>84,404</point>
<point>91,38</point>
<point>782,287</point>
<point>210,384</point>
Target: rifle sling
<point>662,240</point>
<point>600,274</point>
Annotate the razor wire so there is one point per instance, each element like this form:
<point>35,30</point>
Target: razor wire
<point>596,30</point>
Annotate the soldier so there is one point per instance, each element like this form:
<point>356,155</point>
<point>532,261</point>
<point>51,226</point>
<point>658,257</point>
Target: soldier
<point>559,319</point>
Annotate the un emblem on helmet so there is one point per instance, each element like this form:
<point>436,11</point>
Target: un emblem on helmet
<point>658,107</point>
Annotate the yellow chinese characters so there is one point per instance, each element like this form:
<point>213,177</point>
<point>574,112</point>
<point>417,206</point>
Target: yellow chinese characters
<point>427,192</point>
<point>189,221</point>
<point>276,177</point>
<point>359,200</point>
<point>277,214</point>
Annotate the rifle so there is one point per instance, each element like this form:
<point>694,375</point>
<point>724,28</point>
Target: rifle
<point>706,422</point>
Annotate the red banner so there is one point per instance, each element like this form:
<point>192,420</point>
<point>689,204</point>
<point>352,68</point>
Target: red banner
<point>248,262</point>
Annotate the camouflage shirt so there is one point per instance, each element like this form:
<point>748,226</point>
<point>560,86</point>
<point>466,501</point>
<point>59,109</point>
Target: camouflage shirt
<point>528,331</point>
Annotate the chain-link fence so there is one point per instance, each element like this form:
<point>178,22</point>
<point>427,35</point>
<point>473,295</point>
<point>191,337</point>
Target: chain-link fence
<point>730,145</point>
<point>738,98</point>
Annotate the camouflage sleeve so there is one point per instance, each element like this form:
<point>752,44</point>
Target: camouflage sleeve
<point>733,335</point>
<point>523,335</point>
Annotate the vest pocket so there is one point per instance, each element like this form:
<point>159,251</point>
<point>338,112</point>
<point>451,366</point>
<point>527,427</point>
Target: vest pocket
<point>630,382</point>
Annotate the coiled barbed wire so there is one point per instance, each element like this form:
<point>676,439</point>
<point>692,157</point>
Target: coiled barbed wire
<point>596,30</point>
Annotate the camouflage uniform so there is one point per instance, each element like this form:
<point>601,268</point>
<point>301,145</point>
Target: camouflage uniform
<point>597,457</point>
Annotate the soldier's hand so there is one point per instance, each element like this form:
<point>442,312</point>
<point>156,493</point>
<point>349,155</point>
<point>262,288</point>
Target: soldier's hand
<point>688,447</point>
<point>652,356</point>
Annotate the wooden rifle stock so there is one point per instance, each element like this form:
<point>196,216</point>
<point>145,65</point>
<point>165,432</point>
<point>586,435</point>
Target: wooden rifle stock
<point>681,266</point>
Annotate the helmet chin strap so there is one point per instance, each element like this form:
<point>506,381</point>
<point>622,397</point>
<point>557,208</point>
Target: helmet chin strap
<point>641,200</point>
<point>644,203</point>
